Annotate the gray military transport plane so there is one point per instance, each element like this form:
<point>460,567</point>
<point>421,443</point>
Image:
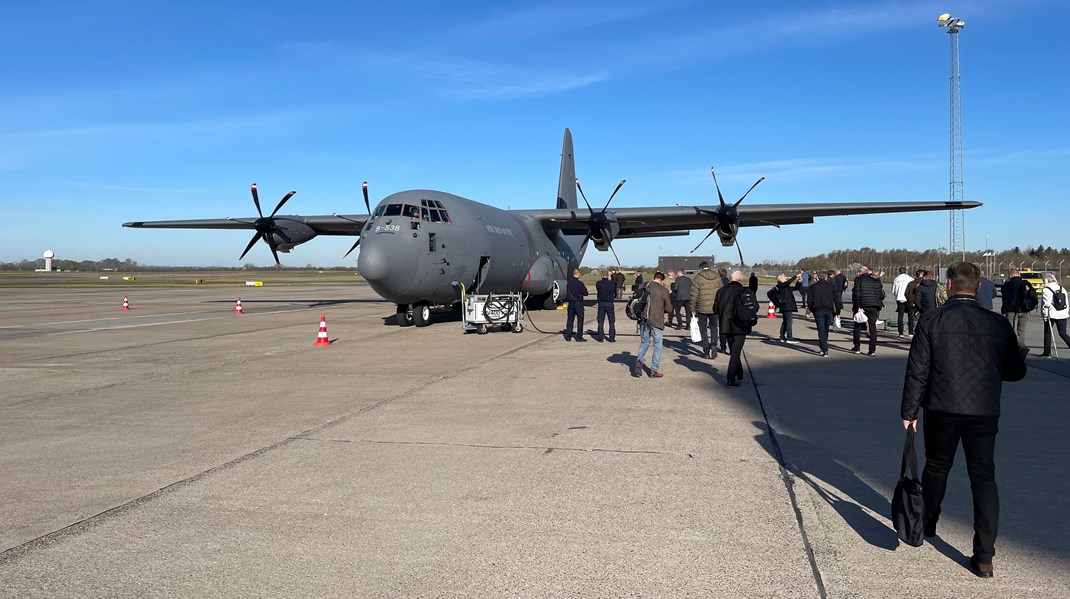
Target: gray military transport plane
<point>419,246</point>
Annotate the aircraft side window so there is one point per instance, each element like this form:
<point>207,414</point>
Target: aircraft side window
<point>393,210</point>
<point>439,204</point>
<point>435,216</point>
<point>411,211</point>
<point>424,214</point>
<point>445,217</point>
<point>379,211</point>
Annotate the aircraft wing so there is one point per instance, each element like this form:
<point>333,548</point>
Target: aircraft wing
<point>676,220</point>
<point>327,224</point>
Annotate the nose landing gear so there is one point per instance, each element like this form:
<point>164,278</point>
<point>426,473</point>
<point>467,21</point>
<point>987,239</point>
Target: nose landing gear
<point>419,315</point>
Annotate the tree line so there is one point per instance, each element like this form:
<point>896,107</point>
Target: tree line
<point>130,265</point>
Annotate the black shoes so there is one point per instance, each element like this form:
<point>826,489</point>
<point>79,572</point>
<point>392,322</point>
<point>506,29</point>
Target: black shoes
<point>581,339</point>
<point>612,340</point>
<point>930,530</point>
<point>979,569</point>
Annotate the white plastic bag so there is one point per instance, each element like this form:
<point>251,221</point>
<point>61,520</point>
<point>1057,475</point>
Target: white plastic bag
<point>836,324</point>
<point>860,317</point>
<point>696,335</point>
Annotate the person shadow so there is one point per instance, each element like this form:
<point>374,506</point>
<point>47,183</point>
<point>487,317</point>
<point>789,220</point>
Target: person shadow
<point>851,498</point>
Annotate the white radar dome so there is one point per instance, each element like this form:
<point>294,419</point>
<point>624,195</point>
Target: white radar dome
<point>49,254</point>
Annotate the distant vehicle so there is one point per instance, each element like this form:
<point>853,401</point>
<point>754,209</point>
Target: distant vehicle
<point>998,282</point>
<point>1034,278</point>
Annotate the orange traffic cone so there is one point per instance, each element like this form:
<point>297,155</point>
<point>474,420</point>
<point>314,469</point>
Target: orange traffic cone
<point>772,311</point>
<point>126,302</point>
<point>237,308</point>
<point>321,338</point>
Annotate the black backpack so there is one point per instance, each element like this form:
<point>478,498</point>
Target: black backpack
<point>745,310</point>
<point>1029,299</point>
<point>638,306</point>
<point>1058,299</point>
<point>774,296</point>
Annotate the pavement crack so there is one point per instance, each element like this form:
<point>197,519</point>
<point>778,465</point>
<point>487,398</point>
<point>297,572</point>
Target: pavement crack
<point>789,485</point>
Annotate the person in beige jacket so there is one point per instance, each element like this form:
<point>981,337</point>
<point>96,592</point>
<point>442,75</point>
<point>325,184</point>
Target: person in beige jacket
<point>704,287</point>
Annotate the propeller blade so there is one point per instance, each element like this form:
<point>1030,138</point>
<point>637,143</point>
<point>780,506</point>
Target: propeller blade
<point>619,185</point>
<point>252,242</point>
<point>720,197</point>
<point>703,240</point>
<point>256,200</point>
<point>367,206</point>
<point>352,248</point>
<point>274,253</point>
<point>584,197</point>
<point>740,253</point>
<point>748,191</point>
<point>284,199</point>
<point>614,253</point>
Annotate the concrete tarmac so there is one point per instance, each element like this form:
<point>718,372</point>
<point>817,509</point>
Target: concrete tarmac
<point>181,450</point>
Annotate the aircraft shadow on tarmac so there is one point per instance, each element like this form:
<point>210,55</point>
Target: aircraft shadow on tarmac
<point>835,453</point>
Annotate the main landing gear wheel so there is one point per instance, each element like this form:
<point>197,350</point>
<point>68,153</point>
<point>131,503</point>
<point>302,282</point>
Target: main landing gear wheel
<point>404,316</point>
<point>421,315</point>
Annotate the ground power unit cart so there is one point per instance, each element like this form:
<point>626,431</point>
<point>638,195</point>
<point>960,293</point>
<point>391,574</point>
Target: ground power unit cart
<point>481,313</point>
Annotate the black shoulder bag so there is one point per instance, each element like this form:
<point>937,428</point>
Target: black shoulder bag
<point>907,503</point>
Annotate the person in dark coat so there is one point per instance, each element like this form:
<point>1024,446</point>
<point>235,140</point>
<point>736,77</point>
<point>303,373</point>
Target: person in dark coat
<point>867,296</point>
<point>959,358</point>
<point>619,280</point>
<point>823,304</point>
<point>638,280</point>
<point>986,292</point>
<point>651,328</point>
<point>752,282</point>
<point>839,283</point>
<point>574,293</point>
<point>788,307</point>
<point>606,291</point>
<point>683,299</point>
<point>733,330</point>
<point>925,293</point>
<point>1014,292</point>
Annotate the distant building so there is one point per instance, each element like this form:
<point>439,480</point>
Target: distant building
<point>48,256</point>
<point>687,263</point>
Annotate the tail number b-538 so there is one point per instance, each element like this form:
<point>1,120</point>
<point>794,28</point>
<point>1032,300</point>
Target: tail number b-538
<point>387,228</point>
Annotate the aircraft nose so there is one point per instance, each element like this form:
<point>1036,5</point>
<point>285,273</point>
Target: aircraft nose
<point>373,261</point>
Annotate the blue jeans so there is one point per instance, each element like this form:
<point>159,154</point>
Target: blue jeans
<point>645,333</point>
<point>823,320</point>
<point>785,325</point>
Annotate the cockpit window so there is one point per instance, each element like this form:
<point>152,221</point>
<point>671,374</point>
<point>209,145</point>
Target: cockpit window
<point>424,214</point>
<point>393,210</point>
<point>439,204</point>
<point>411,211</point>
<point>445,217</point>
<point>379,211</point>
<point>435,216</point>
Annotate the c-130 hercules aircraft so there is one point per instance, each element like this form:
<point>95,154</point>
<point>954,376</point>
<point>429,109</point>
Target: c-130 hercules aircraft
<point>419,246</point>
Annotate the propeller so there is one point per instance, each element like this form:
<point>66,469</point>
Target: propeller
<point>368,206</point>
<point>599,221</point>
<point>265,226</point>
<point>726,216</point>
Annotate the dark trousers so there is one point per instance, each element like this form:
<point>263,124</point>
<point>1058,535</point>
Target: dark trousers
<point>978,435</point>
<point>707,327</point>
<point>872,314</point>
<point>785,325</point>
<point>900,308</point>
<point>575,312</point>
<point>605,309</point>
<point>686,305</point>
<point>805,293</point>
<point>1060,328</point>
<point>823,320</point>
<point>735,361</point>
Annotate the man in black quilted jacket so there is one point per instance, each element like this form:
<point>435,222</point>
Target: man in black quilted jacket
<point>959,358</point>
<point>867,296</point>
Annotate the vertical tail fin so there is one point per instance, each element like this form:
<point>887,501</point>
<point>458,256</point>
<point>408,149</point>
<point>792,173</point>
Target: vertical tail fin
<point>566,183</point>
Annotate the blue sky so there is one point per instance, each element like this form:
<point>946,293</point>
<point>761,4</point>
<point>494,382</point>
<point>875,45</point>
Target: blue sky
<point>118,111</point>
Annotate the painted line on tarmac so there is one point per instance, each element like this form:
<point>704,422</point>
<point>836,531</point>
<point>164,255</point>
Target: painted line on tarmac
<point>157,324</point>
<point>45,324</point>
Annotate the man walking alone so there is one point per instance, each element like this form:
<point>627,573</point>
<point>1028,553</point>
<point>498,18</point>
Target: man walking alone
<point>899,290</point>
<point>959,358</point>
<point>736,332</point>
<point>651,328</point>
<point>823,304</point>
<point>867,296</point>
<point>704,289</point>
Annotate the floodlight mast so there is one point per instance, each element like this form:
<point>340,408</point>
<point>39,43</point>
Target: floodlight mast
<point>957,229</point>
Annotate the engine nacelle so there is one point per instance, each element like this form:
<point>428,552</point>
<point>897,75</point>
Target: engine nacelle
<point>727,233</point>
<point>603,233</point>
<point>290,233</point>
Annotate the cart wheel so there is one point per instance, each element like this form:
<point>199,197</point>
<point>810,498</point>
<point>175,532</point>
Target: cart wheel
<point>518,328</point>
<point>482,330</point>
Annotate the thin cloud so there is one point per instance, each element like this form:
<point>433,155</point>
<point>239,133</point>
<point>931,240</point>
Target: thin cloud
<point>803,169</point>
